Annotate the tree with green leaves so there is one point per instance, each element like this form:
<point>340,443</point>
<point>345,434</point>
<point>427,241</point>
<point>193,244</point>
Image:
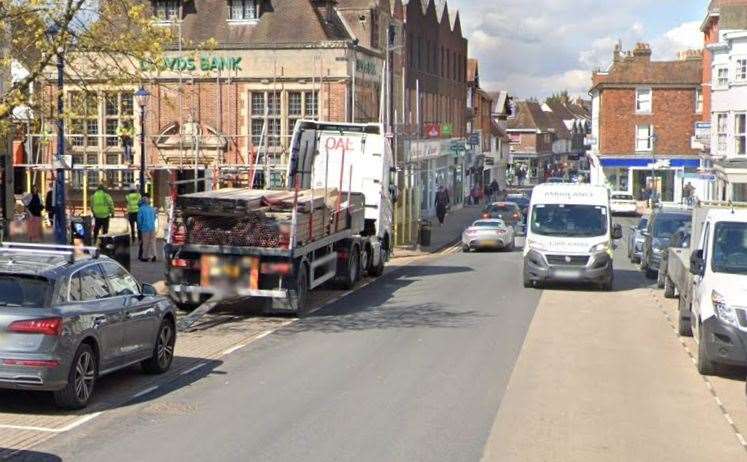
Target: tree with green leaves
<point>562,98</point>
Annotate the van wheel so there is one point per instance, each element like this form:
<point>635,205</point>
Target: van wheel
<point>684,328</point>
<point>80,380</point>
<point>705,365</point>
<point>669,290</point>
<point>660,278</point>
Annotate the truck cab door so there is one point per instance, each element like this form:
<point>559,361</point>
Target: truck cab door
<point>699,290</point>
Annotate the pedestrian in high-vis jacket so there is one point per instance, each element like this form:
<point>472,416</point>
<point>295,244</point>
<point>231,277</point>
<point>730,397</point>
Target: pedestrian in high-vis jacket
<point>102,207</point>
<point>133,199</point>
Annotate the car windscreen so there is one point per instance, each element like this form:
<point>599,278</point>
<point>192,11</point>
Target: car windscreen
<point>730,248</point>
<point>23,291</point>
<point>569,220</point>
<point>502,208</point>
<point>667,224</point>
<point>521,201</point>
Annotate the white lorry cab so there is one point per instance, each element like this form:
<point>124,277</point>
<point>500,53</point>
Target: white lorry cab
<point>718,265</point>
<point>570,236</point>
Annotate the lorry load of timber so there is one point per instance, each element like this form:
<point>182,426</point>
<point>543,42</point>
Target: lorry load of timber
<point>256,218</point>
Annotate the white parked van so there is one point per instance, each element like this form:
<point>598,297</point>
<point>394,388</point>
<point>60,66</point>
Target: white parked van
<point>569,236</point>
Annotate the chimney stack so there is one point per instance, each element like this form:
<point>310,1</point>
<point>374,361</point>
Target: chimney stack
<point>642,51</point>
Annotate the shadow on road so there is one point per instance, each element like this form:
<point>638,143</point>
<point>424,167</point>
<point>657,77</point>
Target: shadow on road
<point>625,280</point>
<point>371,307</point>
<point>27,456</point>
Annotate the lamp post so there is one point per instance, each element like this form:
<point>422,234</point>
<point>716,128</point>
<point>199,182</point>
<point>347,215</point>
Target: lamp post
<point>654,182</point>
<point>60,215</point>
<point>142,96</point>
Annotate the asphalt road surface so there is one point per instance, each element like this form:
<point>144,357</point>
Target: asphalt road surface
<point>411,367</point>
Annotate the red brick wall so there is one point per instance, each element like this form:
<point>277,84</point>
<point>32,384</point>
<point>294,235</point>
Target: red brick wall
<point>673,118</point>
<point>710,36</point>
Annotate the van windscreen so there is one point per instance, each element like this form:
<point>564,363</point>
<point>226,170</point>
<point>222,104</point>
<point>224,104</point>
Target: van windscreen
<point>569,220</point>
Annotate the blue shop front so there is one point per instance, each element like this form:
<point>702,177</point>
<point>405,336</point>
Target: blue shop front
<point>667,174</point>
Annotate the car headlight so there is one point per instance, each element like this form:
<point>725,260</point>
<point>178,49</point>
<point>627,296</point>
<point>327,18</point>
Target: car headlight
<point>723,311</point>
<point>536,245</point>
<point>601,247</point>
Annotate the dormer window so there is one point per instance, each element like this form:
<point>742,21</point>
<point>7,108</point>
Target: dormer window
<point>244,10</point>
<point>166,10</point>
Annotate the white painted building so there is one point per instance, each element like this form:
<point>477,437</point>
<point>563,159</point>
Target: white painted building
<point>729,114</point>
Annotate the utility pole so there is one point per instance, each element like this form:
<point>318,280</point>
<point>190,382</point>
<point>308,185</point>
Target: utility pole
<point>60,215</point>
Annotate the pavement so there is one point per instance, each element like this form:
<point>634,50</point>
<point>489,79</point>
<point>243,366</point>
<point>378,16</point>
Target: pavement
<point>446,357</point>
<point>443,235</point>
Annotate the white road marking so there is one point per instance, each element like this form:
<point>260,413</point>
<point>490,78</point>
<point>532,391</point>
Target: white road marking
<point>193,368</point>
<point>68,427</point>
<point>144,392</point>
<point>233,348</point>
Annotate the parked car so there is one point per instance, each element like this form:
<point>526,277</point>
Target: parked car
<point>635,240</point>
<point>488,234</point>
<point>623,204</point>
<point>680,240</point>
<point>70,316</point>
<point>663,223</point>
<point>508,212</point>
<point>523,202</point>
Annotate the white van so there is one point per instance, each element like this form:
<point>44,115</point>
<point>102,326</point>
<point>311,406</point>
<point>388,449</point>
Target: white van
<point>569,236</point>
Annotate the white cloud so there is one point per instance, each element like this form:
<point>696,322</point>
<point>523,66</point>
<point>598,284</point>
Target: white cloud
<point>537,47</point>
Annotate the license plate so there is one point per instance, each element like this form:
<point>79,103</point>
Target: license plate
<point>565,274</point>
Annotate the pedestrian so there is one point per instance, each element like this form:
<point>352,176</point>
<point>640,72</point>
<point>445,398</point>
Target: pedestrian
<point>146,224</point>
<point>495,190</point>
<point>133,199</point>
<point>688,192</point>
<point>442,202</point>
<point>475,194</point>
<point>49,204</point>
<point>35,208</point>
<point>102,207</point>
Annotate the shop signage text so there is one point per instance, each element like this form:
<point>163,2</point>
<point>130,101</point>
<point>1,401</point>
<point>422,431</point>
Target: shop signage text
<point>366,67</point>
<point>191,63</point>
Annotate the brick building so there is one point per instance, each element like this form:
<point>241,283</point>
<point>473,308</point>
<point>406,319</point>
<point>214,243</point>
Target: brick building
<point>217,110</point>
<point>435,87</point>
<point>725,97</point>
<point>643,117</point>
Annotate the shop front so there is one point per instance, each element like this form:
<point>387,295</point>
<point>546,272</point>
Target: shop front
<point>731,180</point>
<point>638,176</point>
<point>438,165</point>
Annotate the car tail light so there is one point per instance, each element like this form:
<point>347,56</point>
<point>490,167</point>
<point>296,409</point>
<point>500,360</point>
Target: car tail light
<point>485,215</point>
<point>184,263</point>
<point>276,268</point>
<point>46,326</point>
<point>30,362</point>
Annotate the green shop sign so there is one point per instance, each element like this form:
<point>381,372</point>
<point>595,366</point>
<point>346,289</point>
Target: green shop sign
<point>191,63</point>
<point>366,67</point>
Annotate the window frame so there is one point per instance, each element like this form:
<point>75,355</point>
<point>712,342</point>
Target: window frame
<point>648,139</point>
<point>718,82</point>
<point>69,281</point>
<point>699,100</point>
<point>722,146</point>
<point>740,69</point>
<point>740,135</point>
<point>256,6</point>
<point>166,18</point>
<point>638,92</point>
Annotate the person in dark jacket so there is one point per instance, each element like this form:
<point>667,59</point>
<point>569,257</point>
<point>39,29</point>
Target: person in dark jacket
<point>442,202</point>
<point>49,205</point>
<point>35,209</point>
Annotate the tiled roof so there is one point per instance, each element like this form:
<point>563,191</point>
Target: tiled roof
<point>530,116</point>
<point>205,19</point>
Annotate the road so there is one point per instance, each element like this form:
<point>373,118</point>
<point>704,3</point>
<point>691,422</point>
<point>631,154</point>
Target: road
<point>446,359</point>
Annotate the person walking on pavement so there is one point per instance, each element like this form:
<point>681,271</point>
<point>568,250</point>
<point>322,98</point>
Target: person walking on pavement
<point>688,192</point>
<point>495,190</point>
<point>146,224</point>
<point>133,199</point>
<point>102,207</point>
<point>49,204</point>
<point>35,208</point>
<point>442,202</point>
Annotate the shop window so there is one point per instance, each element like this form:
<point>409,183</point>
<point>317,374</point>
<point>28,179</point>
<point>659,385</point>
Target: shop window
<point>243,10</point>
<point>643,138</point>
<point>643,100</point>
<point>722,132</point>
<point>740,134</point>
<point>166,10</point>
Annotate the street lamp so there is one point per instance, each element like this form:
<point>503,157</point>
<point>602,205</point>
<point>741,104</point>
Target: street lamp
<point>142,96</point>
<point>654,182</point>
<point>60,215</point>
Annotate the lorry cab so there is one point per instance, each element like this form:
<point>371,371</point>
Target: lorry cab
<point>570,236</point>
<point>718,264</point>
<point>348,157</point>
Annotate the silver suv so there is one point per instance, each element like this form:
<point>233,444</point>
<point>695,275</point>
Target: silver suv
<point>68,316</point>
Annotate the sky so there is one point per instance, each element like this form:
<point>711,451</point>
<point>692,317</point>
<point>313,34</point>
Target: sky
<point>533,48</point>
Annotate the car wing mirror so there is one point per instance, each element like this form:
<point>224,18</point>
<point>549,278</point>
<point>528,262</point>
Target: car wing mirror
<point>697,263</point>
<point>149,290</point>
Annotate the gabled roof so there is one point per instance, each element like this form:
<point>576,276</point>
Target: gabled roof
<point>530,116</point>
<point>500,102</point>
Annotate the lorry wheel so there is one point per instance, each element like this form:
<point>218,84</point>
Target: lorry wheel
<point>378,269</point>
<point>352,270</point>
<point>684,328</point>
<point>660,279</point>
<point>705,365</point>
<point>669,291</point>
<point>298,299</point>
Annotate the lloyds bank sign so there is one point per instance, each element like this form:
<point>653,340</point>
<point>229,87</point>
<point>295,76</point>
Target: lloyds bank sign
<point>205,63</point>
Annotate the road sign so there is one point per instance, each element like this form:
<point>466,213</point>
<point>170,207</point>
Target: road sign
<point>474,139</point>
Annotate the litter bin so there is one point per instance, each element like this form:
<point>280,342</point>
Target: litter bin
<point>425,233</point>
<point>80,229</point>
<point>117,247</point>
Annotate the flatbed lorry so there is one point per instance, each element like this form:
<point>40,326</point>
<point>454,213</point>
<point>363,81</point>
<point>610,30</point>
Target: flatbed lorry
<point>709,279</point>
<point>332,221</point>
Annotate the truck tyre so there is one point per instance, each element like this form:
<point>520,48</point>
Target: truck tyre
<point>660,278</point>
<point>684,328</point>
<point>669,290</point>
<point>298,298</point>
<point>378,269</point>
<point>705,365</point>
<point>352,270</point>
<point>80,380</point>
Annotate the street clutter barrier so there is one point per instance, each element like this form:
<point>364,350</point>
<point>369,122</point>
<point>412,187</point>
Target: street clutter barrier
<point>424,236</point>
